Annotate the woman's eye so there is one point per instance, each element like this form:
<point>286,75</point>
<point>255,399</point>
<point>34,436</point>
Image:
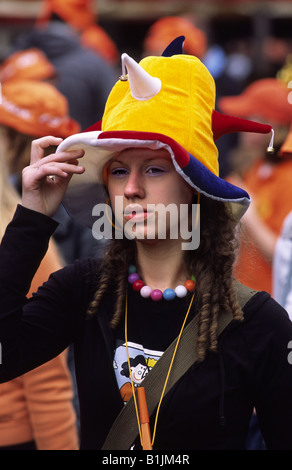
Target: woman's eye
<point>155,170</point>
<point>119,172</point>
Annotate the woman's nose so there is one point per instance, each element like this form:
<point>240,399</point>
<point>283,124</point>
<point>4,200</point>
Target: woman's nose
<point>134,187</point>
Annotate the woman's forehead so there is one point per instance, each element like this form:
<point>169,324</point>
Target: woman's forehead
<point>140,154</point>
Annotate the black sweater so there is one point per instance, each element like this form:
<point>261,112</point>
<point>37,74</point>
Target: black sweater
<point>251,368</point>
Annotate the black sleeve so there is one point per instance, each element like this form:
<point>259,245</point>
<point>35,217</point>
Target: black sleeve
<point>23,247</point>
<point>270,331</point>
<point>36,330</point>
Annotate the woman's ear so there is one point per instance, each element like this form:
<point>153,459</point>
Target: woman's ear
<point>105,172</point>
<point>106,190</point>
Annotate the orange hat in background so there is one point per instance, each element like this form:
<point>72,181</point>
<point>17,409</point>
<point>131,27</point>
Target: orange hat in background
<point>77,13</point>
<point>162,32</point>
<point>266,98</point>
<point>30,64</point>
<point>36,108</point>
<point>286,149</point>
<point>96,38</point>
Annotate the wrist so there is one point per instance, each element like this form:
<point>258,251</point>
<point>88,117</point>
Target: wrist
<point>35,217</point>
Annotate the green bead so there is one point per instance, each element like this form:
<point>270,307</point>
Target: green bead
<point>132,269</point>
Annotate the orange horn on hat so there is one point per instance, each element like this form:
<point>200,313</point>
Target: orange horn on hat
<point>224,124</point>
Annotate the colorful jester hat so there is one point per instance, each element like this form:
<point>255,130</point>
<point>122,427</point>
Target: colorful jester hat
<point>165,102</point>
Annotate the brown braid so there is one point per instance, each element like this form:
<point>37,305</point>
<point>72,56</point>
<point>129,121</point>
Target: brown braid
<point>114,270</point>
<point>212,265</point>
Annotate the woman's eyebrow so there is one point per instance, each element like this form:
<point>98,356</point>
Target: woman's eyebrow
<point>164,158</point>
<point>116,160</point>
<point>147,160</point>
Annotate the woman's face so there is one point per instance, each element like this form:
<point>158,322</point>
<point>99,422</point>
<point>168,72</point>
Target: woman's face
<point>147,193</point>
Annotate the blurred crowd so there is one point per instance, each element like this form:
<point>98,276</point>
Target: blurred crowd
<point>55,80</point>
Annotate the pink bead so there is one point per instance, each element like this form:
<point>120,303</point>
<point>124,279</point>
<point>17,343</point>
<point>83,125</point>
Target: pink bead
<point>137,285</point>
<point>133,277</point>
<point>156,295</point>
<point>146,291</point>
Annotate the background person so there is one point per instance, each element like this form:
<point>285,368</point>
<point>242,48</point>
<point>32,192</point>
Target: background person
<point>31,108</point>
<point>83,76</point>
<point>264,176</point>
<point>282,265</point>
<point>36,409</point>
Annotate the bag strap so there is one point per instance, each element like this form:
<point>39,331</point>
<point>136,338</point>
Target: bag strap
<point>124,429</point>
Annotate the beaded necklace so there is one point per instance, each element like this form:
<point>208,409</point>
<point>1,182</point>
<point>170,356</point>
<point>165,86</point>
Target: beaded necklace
<point>156,294</point>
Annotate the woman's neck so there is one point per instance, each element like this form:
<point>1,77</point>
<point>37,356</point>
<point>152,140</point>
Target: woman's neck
<point>161,265</point>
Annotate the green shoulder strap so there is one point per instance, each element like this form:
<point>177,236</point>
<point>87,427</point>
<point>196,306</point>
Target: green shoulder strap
<point>124,430</point>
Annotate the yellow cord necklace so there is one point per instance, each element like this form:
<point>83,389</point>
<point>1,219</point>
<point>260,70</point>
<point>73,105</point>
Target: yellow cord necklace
<point>167,376</point>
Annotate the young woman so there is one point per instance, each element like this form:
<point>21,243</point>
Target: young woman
<point>156,149</point>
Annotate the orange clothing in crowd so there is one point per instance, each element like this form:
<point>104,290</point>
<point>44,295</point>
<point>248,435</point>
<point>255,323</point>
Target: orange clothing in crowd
<point>37,406</point>
<point>272,190</point>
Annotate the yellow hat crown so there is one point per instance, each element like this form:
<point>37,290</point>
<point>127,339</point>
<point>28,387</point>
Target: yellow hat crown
<point>174,96</point>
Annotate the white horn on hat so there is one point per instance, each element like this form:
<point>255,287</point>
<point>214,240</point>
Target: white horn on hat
<point>143,86</point>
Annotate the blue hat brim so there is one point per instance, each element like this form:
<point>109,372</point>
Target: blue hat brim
<point>205,182</point>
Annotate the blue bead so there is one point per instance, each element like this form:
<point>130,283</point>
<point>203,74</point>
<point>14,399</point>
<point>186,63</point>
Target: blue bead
<point>131,269</point>
<point>169,294</point>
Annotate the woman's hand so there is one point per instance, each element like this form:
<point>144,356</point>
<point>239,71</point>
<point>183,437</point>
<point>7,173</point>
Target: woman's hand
<point>45,180</point>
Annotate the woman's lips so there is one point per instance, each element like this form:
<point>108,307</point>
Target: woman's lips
<point>136,213</point>
<point>137,216</point>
